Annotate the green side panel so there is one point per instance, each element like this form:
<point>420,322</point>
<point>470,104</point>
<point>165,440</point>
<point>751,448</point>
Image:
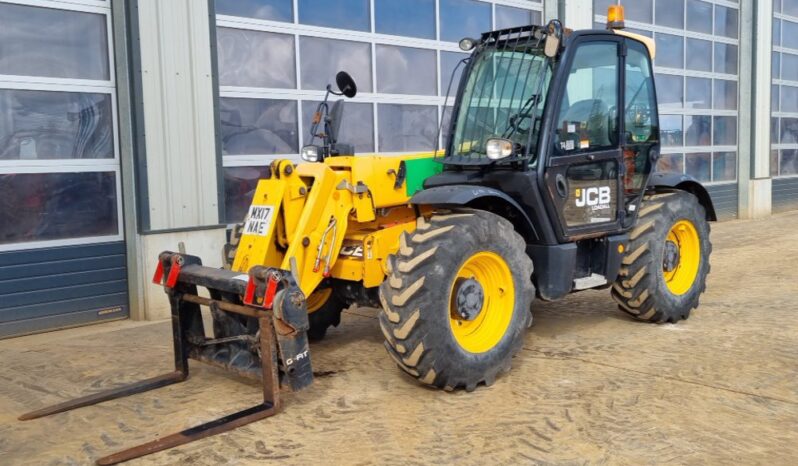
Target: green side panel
<point>419,170</point>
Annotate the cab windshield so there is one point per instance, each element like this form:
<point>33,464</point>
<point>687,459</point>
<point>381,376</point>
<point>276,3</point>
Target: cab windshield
<point>503,98</point>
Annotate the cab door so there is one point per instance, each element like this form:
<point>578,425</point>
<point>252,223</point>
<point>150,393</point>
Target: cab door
<point>583,172</point>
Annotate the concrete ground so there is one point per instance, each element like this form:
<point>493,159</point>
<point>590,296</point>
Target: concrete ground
<point>590,386</point>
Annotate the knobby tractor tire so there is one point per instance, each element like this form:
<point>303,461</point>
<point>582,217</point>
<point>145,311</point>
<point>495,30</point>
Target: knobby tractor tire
<point>647,289</point>
<point>417,299</point>
<point>328,306</point>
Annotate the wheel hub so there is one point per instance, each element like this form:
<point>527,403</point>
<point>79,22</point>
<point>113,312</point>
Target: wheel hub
<point>671,257</point>
<point>469,298</point>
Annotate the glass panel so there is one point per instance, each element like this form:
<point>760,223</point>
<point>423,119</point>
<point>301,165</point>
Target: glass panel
<point>789,34</point>
<point>414,18</point>
<point>322,59</point>
<point>464,18</point>
<point>50,206</point>
<point>726,21</point>
<point>700,56</point>
<point>789,99</point>
<point>276,10</point>
<point>239,187</point>
<point>791,7</point>
<point>776,31</point>
<point>52,43</point>
<point>670,163</point>
<point>789,67</point>
<point>357,126</point>
<point>446,121</point>
<point>774,163</point>
<point>255,59</point>
<point>640,121</point>
<point>670,13</point>
<point>699,130</point>
<point>725,58</point>
<point>774,98</point>
<point>698,166</point>
<point>449,61</point>
<point>725,131</point>
<point>586,120</point>
<point>725,95</point>
<point>670,90</point>
<point>670,50</point>
<point>789,130</point>
<point>638,10</point>
<point>600,7</point>
<point>405,70</point>
<point>789,162</point>
<point>699,16</point>
<point>407,128</point>
<point>777,6</point>
<point>699,93</point>
<point>775,65</point>
<point>636,31</point>
<point>55,125</point>
<point>724,166</point>
<point>671,130</point>
<point>258,126</point>
<point>343,14</point>
<point>774,131</point>
<point>508,17</point>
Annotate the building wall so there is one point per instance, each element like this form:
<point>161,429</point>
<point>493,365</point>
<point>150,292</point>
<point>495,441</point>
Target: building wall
<point>784,106</point>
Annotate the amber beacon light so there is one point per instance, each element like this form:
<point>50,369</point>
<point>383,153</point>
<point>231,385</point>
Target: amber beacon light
<point>615,17</point>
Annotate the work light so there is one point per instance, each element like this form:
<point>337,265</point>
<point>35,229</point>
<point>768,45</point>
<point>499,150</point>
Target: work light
<point>497,149</point>
<point>310,153</point>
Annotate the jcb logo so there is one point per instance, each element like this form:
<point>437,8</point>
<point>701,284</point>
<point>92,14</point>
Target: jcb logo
<point>593,196</point>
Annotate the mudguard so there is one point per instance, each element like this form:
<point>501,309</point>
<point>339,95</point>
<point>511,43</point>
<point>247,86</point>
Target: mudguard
<point>659,181</point>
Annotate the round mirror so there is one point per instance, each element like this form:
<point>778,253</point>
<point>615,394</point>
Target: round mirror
<point>346,84</point>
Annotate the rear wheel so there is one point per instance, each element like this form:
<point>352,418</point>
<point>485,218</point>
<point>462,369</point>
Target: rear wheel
<point>324,311</point>
<point>664,271</point>
<point>457,299</point>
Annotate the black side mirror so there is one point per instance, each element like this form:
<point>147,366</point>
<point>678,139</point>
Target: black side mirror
<point>346,84</point>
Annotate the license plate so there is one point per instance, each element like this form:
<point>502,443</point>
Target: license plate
<point>259,220</point>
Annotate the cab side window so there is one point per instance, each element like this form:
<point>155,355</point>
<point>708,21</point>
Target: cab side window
<point>588,118</point>
<point>641,126</point>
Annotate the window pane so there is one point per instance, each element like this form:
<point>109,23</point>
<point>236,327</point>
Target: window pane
<point>49,206</point>
<point>775,65</point>
<point>508,17</point>
<point>52,43</point>
<point>404,70</point>
<point>789,67</point>
<point>464,18</point>
<point>357,126</point>
<point>699,16</point>
<point>276,10</point>
<point>239,187</point>
<point>725,94</point>
<point>414,18</point>
<point>55,125</point>
<point>789,162</point>
<point>322,59</point>
<point>789,34</point>
<point>774,130</point>
<point>255,59</point>
<point>699,57</point>
<point>449,61</point>
<point>791,7</point>
<point>600,6</point>
<point>343,14</point>
<point>698,166</point>
<point>724,166</point>
<point>699,93</point>
<point>670,163</point>
<point>446,121</point>
<point>638,10</point>
<point>670,51</point>
<point>726,21</point>
<point>640,111</point>
<point>774,163</point>
<point>406,128</point>
<point>670,90</point>
<point>789,130</point>
<point>671,130</point>
<point>774,98</point>
<point>789,99</point>
<point>776,31</point>
<point>725,131</point>
<point>698,131</point>
<point>258,126</point>
<point>670,13</point>
<point>725,58</point>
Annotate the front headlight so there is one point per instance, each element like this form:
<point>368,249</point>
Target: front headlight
<point>310,153</point>
<point>497,149</point>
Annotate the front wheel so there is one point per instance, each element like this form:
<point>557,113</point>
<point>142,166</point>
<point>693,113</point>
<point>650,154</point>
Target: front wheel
<point>457,300</point>
<point>665,267</point>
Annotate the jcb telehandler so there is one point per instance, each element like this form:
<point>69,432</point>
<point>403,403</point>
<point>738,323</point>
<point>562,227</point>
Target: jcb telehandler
<point>544,188</point>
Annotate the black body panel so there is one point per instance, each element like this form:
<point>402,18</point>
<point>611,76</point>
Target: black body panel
<point>687,183</point>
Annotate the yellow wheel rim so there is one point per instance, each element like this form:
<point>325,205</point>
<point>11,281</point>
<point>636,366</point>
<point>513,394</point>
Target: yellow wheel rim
<point>487,329</point>
<point>318,298</point>
<point>680,278</point>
